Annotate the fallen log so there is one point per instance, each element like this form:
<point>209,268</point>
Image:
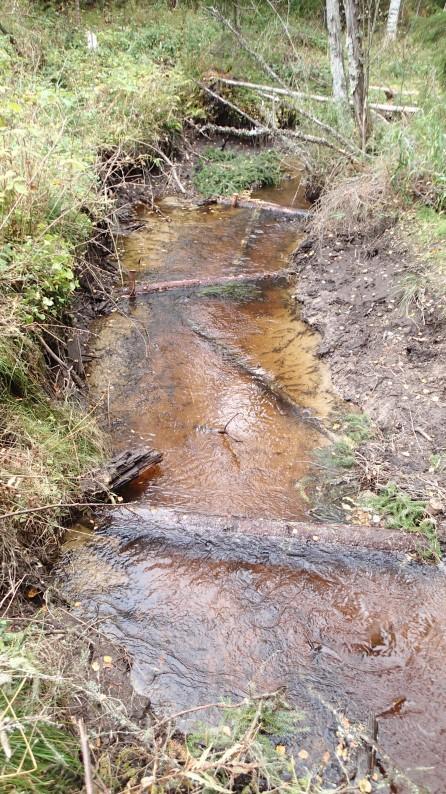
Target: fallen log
<point>254,204</point>
<point>123,469</point>
<point>146,288</point>
<point>263,540</point>
<point>265,382</point>
<point>385,108</point>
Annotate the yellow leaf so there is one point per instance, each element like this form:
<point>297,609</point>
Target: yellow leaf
<point>364,786</point>
<point>280,749</point>
<point>107,659</point>
<point>303,755</point>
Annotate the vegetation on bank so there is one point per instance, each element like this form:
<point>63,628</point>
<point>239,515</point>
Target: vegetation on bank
<point>73,121</point>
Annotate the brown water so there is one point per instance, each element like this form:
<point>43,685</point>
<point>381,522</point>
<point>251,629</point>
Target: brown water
<point>175,368</point>
<point>345,631</point>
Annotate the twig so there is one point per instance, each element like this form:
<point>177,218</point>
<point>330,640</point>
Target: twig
<point>265,696</point>
<point>169,163</point>
<point>85,750</point>
<point>61,363</point>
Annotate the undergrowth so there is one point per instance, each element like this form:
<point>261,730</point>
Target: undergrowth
<point>401,511</point>
<point>226,172</point>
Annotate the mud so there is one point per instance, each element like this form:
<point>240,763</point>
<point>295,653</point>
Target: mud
<point>390,363</point>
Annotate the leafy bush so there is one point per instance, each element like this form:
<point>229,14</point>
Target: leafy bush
<point>226,173</point>
<point>45,275</point>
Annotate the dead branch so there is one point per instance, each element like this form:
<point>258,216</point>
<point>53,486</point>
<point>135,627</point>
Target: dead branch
<point>283,134</point>
<point>272,73</point>
<point>85,750</point>
<point>288,92</point>
<point>69,369</point>
<point>169,162</point>
<point>237,132</point>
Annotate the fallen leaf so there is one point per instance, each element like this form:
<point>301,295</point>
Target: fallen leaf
<point>280,749</point>
<point>107,661</point>
<point>364,786</point>
<point>95,666</point>
<point>303,754</point>
<point>326,757</point>
<point>32,592</point>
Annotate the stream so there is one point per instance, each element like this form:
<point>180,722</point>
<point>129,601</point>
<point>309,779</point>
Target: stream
<point>187,372</point>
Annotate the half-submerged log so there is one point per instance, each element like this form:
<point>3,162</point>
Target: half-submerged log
<point>254,204</point>
<point>263,380</point>
<point>123,469</point>
<point>146,287</point>
<point>262,540</point>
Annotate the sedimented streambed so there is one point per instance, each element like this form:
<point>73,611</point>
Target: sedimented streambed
<point>205,609</point>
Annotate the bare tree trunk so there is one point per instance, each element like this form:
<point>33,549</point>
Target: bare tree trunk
<point>392,19</point>
<point>356,67</point>
<point>336,54</point>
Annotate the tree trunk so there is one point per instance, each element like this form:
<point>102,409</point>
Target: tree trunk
<point>336,54</point>
<point>356,66</point>
<point>392,19</point>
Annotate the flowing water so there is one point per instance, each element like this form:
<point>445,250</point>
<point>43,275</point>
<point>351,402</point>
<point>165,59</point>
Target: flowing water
<point>190,373</point>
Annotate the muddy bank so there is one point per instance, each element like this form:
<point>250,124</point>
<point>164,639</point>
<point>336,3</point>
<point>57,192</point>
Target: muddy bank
<point>388,362</point>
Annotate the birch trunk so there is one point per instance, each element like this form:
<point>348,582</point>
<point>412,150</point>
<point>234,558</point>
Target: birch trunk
<point>392,19</point>
<point>356,68</point>
<point>336,54</point>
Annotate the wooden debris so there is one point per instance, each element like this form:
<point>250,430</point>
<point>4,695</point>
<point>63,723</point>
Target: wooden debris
<point>121,470</point>
<point>385,108</point>
<point>145,287</point>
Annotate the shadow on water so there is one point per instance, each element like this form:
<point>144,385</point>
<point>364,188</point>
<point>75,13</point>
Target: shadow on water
<point>224,617</point>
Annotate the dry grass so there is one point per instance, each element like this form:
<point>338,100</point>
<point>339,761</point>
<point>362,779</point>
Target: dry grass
<point>361,205</point>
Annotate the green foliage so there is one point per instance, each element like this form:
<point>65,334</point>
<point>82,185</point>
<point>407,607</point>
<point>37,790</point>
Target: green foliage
<point>45,274</point>
<point>38,755</point>
<point>261,727</point>
<point>402,512</point>
<point>431,29</point>
<point>339,455</point>
<point>226,172</point>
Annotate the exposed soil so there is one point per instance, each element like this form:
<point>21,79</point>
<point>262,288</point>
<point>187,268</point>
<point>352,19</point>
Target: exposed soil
<point>389,362</point>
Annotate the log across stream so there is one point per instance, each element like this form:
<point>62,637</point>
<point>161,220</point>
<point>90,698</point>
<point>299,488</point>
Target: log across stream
<point>225,381</point>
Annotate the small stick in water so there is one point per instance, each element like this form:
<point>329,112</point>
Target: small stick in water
<point>132,283</point>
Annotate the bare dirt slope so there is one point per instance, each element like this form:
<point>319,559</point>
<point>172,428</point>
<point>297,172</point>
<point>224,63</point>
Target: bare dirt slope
<point>387,359</point>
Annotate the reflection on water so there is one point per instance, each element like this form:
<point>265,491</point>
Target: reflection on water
<point>189,373</point>
<point>200,627</point>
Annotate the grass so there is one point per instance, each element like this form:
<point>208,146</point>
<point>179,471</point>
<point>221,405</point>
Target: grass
<point>226,172</point>
<point>37,754</point>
